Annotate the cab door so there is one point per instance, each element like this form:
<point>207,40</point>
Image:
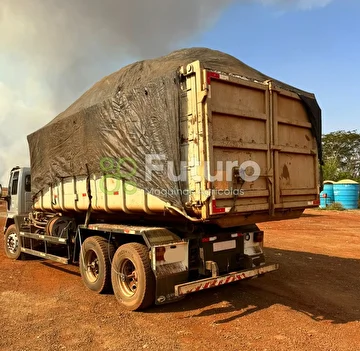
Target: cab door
<point>13,193</point>
<point>19,192</point>
<point>27,192</point>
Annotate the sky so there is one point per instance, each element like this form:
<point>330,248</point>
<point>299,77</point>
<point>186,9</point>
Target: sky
<point>52,51</point>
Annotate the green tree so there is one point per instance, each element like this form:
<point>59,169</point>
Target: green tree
<point>331,168</point>
<point>341,153</point>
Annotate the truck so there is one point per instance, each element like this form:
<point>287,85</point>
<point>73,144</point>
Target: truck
<point>154,180</point>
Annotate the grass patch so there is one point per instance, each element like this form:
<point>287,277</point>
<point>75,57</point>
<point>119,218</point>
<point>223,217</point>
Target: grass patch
<point>335,206</point>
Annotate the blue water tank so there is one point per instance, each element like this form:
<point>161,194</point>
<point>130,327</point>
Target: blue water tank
<point>347,193</point>
<point>323,199</point>
<point>327,195</point>
<point>329,190</point>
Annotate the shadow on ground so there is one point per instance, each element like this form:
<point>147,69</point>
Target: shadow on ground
<point>312,215</point>
<point>322,287</point>
<point>71,269</point>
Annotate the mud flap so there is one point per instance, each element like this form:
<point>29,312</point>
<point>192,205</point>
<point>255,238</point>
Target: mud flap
<point>170,266</point>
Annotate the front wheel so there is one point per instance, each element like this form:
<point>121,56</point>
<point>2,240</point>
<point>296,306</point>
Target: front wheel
<point>12,243</point>
<point>132,278</point>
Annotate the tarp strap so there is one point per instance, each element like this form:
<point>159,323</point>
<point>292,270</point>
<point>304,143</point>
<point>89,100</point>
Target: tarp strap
<point>88,190</point>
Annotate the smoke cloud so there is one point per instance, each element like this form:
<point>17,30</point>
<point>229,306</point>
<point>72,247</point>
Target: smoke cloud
<point>51,51</point>
<point>54,50</point>
<point>301,4</point>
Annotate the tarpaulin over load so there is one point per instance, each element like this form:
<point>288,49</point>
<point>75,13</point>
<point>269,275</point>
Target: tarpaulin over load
<point>129,114</point>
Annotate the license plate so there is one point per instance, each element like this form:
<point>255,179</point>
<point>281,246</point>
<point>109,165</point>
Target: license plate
<point>224,245</point>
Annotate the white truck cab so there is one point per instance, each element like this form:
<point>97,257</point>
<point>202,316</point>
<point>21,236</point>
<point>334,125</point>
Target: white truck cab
<point>19,194</point>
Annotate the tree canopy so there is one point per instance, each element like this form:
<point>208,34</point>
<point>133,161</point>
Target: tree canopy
<point>341,153</point>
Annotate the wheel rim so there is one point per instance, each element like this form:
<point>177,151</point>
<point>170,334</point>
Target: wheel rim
<point>127,278</point>
<point>91,262</point>
<point>12,243</point>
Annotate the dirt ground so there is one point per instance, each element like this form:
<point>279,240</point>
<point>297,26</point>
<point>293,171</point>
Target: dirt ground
<point>311,303</point>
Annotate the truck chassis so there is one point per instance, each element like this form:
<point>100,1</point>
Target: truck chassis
<point>143,265</point>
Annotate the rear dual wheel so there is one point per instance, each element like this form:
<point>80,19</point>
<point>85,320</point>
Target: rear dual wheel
<point>128,272</point>
<point>132,278</point>
<point>95,263</point>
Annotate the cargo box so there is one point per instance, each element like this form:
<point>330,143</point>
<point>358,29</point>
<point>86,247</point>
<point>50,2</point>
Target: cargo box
<point>244,148</point>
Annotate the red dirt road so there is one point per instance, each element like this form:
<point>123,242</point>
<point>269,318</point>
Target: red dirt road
<point>311,303</point>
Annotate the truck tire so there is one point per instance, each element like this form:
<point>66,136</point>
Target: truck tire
<point>12,243</point>
<point>132,278</point>
<point>95,263</point>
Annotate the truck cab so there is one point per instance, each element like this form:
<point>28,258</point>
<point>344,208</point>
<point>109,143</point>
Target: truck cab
<point>18,197</point>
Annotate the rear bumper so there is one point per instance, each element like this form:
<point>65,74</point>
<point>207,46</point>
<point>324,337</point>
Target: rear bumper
<point>187,288</point>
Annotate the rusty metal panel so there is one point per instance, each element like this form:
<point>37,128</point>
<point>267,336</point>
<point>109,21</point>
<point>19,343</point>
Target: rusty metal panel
<point>296,157</point>
<point>192,135</point>
<point>258,122</point>
<point>240,128</point>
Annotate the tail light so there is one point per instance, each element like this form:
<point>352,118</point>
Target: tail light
<point>159,253</point>
<point>209,239</point>
<point>258,237</point>
<point>317,202</point>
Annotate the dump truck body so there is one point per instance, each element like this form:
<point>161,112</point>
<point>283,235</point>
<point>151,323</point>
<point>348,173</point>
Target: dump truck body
<point>248,154</point>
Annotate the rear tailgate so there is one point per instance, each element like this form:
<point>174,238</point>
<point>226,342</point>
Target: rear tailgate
<point>253,142</point>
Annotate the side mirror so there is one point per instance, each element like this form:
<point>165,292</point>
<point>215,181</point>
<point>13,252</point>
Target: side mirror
<point>7,198</point>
